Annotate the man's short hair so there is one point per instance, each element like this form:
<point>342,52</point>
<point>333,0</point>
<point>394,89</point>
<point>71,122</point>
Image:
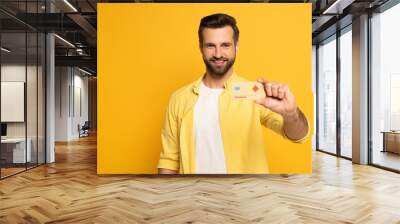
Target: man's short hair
<point>218,20</point>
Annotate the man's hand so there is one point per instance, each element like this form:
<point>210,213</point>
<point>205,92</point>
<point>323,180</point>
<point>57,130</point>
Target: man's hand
<point>280,99</point>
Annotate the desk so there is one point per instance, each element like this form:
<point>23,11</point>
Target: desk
<point>15,148</point>
<point>391,141</point>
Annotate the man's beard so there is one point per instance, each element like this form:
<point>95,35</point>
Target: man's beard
<point>218,72</point>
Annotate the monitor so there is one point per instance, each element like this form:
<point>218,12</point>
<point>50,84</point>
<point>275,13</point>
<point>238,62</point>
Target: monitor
<point>3,129</point>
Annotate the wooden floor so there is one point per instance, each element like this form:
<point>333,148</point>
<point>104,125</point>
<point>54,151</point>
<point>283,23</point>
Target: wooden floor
<point>5,172</point>
<point>69,191</point>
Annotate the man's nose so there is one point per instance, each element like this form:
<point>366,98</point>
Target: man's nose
<point>217,52</point>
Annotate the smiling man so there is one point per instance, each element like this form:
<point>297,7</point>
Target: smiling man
<point>207,130</point>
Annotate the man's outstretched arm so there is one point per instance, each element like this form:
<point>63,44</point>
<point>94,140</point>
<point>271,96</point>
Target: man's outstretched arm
<point>295,125</point>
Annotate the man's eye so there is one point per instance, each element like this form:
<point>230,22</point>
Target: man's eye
<point>226,45</point>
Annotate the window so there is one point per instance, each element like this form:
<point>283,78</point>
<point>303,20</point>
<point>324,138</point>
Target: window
<point>346,93</point>
<point>327,95</point>
<point>385,88</point>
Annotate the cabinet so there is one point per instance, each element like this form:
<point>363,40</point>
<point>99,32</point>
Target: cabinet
<point>391,141</point>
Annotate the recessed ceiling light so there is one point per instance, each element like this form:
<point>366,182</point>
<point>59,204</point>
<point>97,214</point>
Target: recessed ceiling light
<point>71,6</point>
<point>337,7</point>
<point>64,40</point>
<point>84,71</point>
<point>5,50</point>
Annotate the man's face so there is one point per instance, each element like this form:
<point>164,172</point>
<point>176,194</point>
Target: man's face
<point>218,50</point>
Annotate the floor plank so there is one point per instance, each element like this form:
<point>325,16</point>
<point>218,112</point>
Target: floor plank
<point>70,191</point>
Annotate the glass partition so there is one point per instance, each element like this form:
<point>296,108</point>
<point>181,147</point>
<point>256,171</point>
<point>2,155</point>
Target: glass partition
<point>14,154</point>
<point>22,88</point>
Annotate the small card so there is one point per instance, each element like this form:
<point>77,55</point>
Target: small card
<point>248,90</point>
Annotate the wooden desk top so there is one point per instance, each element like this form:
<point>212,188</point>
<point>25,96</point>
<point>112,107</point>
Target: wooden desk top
<point>391,132</point>
<point>13,140</point>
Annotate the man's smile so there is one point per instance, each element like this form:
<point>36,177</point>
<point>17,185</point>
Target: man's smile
<point>219,62</point>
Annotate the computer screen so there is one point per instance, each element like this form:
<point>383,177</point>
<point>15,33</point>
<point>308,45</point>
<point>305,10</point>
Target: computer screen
<point>3,129</point>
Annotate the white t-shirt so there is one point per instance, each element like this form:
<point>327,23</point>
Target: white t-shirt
<point>210,157</point>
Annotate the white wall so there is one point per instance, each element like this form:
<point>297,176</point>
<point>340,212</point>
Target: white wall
<point>80,83</point>
<point>16,72</point>
<point>62,78</point>
<point>12,73</point>
<point>33,127</point>
<point>71,93</point>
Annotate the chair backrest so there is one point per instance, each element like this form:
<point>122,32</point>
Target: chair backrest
<point>86,125</point>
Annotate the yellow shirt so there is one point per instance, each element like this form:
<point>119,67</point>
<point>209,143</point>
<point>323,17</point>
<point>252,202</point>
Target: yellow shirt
<point>241,124</point>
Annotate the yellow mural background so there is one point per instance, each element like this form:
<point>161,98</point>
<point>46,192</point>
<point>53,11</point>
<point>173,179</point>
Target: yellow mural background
<point>148,50</point>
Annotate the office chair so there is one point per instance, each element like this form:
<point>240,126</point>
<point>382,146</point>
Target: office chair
<point>84,130</point>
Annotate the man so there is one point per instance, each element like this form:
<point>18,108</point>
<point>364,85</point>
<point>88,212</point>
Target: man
<point>207,131</point>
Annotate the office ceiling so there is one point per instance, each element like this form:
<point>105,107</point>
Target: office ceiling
<point>76,22</point>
